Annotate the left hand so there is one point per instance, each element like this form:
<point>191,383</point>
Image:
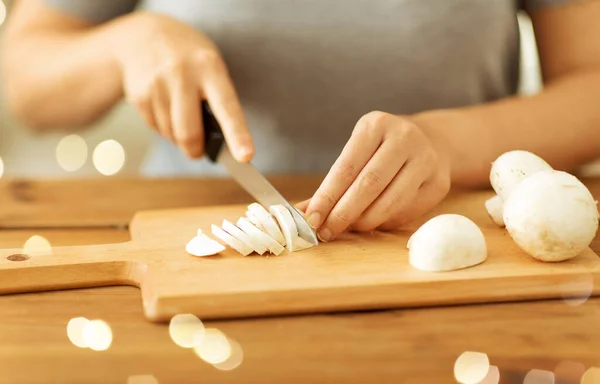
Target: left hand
<point>388,174</point>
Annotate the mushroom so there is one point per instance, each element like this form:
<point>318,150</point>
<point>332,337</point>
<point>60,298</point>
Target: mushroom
<point>494,208</point>
<point>447,242</point>
<point>284,217</point>
<point>202,245</point>
<point>233,242</point>
<point>267,222</point>
<point>234,231</point>
<point>260,236</point>
<point>510,168</point>
<point>551,215</point>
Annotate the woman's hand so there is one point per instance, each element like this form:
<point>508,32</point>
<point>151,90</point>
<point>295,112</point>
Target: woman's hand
<point>167,69</point>
<point>388,174</point>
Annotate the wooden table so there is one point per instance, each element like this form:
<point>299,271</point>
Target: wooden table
<point>400,346</point>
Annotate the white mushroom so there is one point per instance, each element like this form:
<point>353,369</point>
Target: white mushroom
<point>202,245</point>
<point>494,208</point>
<point>243,236</point>
<point>510,168</point>
<point>551,215</point>
<point>447,242</point>
<point>267,222</point>
<point>266,240</point>
<point>233,242</point>
<point>288,226</point>
<point>254,220</point>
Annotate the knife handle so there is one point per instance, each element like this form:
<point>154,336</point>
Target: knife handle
<point>213,135</point>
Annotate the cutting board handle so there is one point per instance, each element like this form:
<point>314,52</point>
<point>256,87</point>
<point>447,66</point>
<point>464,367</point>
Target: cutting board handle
<point>69,267</point>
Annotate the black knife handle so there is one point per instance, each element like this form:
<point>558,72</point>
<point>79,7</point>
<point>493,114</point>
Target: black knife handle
<point>213,135</point>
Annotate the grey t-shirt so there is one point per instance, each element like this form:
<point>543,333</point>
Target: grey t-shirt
<point>307,70</point>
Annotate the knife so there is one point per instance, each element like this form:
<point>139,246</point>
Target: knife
<point>246,175</point>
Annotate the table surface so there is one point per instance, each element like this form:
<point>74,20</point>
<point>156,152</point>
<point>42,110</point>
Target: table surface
<point>394,346</point>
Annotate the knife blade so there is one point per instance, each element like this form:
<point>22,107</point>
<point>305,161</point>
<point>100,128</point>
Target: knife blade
<point>246,175</point>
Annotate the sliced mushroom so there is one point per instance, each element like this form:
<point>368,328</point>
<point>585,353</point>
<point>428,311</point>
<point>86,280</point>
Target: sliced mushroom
<point>272,245</point>
<point>234,231</point>
<point>288,226</point>
<point>202,245</point>
<point>254,220</point>
<point>267,221</point>
<point>494,207</point>
<point>233,242</point>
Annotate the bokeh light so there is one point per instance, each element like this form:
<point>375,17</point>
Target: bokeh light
<point>142,379</point>
<point>37,245</point>
<point>471,367</point>
<point>492,377</point>
<point>538,376</point>
<point>2,12</point>
<point>578,289</point>
<point>75,331</point>
<point>97,335</point>
<point>186,330</point>
<point>235,357</point>
<point>71,153</point>
<point>215,348</point>
<point>109,157</point>
<point>1,165</point>
<point>591,376</point>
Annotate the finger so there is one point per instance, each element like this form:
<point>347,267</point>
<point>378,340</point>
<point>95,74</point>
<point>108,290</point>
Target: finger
<point>355,155</point>
<point>144,108</point>
<point>302,205</point>
<point>161,109</point>
<point>223,100</point>
<point>397,197</point>
<point>185,116</point>
<point>370,183</point>
<point>428,196</point>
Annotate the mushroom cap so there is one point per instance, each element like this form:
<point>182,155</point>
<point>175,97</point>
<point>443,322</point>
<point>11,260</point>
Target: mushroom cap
<point>510,168</point>
<point>551,215</point>
<point>447,242</point>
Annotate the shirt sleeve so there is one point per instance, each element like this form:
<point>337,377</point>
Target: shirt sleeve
<point>536,4</point>
<point>95,11</point>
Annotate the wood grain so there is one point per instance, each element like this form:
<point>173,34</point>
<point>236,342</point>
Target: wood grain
<point>402,346</point>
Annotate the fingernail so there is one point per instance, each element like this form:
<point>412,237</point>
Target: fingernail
<point>324,235</point>
<point>314,220</point>
<point>244,153</point>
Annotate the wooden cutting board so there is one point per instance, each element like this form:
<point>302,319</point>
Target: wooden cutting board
<point>356,272</point>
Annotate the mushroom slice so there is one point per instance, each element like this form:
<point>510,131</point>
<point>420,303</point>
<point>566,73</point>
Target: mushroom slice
<point>268,222</point>
<point>266,240</point>
<point>202,245</point>
<point>494,208</point>
<point>447,242</point>
<point>243,236</point>
<point>288,227</point>
<point>254,220</point>
<point>233,242</point>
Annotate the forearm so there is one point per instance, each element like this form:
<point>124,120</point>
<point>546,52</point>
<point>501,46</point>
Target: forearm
<point>561,124</point>
<point>63,78</point>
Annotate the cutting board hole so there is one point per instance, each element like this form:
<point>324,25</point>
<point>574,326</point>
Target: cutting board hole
<point>18,257</point>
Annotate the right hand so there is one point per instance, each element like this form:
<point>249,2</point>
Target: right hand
<point>167,69</point>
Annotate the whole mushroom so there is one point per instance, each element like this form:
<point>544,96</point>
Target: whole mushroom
<point>512,167</point>
<point>551,215</point>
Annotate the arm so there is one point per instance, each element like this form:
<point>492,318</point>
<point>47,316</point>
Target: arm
<point>561,124</point>
<point>57,68</point>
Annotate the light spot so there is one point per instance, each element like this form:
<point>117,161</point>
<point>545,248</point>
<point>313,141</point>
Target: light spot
<point>215,347</point>
<point>235,357</point>
<point>142,379</point>
<point>577,290</point>
<point>492,377</point>
<point>37,246</point>
<point>75,331</point>
<point>2,12</point>
<point>109,157</point>
<point>1,168</point>
<point>537,376</point>
<point>471,367</point>
<point>71,153</point>
<point>591,376</point>
<point>186,330</point>
<point>97,335</point>
<point>569,372</point>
